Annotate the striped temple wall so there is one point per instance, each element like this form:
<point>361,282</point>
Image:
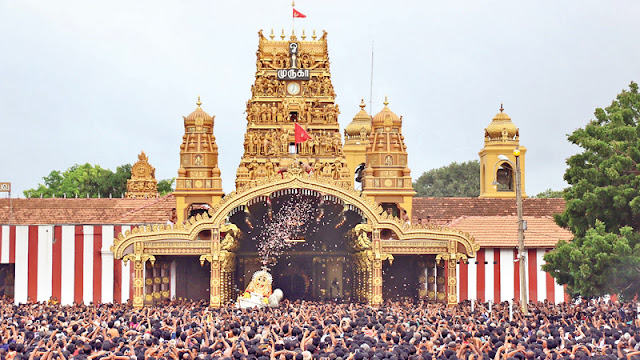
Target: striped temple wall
<point>74,264</point>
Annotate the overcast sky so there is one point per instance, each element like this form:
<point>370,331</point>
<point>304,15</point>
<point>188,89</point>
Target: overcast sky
<point>99,81</point>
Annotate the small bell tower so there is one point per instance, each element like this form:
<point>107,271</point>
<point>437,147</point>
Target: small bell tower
<point>199,184</point>
<point>497,159</point>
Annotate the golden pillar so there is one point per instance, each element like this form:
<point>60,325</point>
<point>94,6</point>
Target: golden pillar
<point>216,300</point>
<point>452,281</point>
<point>376,275</point>
<point>138,258</point>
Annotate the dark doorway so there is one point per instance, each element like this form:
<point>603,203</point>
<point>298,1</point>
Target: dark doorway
<point>7,280</point>
<point>400,279</point>
<point>192,280</point>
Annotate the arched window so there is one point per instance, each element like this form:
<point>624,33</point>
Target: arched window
<point>505,178</point>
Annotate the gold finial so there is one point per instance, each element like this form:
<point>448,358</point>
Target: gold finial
<point>362,104</point>
<point>199,102</point>
<point>501,107</point>
<point>314,34</point>
<point>272,35</point>
<point>293,3</point>
<point>283,35</point>
<point>303,35</point>
<point>386,102</point>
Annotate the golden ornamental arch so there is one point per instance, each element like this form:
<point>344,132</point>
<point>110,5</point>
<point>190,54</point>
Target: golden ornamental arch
<point>216,216</point>
<point>182,239</point>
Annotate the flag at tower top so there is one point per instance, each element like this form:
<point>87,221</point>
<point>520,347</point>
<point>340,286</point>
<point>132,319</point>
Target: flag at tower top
<point>298,14</point>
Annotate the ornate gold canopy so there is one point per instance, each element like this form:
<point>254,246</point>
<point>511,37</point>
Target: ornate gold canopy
<point>140,244</point>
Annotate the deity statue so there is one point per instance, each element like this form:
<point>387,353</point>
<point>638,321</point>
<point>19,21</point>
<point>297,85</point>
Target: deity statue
<point>259,292</point>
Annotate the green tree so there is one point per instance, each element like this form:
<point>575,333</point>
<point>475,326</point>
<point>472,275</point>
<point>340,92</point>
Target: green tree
<point>82,180</point>
<point>166,186</point>
<point>453,180</point>
<point>603,205</point>
<point>549,194</point>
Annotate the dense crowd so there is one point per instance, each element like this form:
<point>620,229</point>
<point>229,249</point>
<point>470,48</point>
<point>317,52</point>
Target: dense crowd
<point>319,330</point>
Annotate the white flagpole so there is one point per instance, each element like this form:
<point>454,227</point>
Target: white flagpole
<point>293,4</point>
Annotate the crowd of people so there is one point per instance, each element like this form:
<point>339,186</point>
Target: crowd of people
<point>319,330</point>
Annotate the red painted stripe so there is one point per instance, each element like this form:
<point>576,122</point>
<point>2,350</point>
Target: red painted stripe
<point>516,276</point>
<point>56,265</point>
<point>77,266</point>
<point>568,299</point>
<point>551,287</point>
<point>117,271</point>
<point>97,264</point>
<point>480,285</point>
<point>464,281</point>
<point>32,256</point>
<point>12,245</point>
<point>532,256</point>
<point>496,275</point>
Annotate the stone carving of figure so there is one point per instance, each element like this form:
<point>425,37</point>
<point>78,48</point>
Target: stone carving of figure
<point>269,168</point>
<point>327,170</point>
<point>388,160</point>
<point>274,113</point>
<point>337,170</point>
<point>280,113</point>
<point>198,160</point>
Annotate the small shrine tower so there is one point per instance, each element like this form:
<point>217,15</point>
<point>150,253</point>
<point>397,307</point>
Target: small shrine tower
<point>143,183</point>
<point>387,177</point>
<point>199,184</point>
<point>497,176</point>
<point>356,138</point>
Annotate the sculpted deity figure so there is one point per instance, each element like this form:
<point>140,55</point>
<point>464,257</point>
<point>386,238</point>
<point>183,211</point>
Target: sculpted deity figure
<point>274,113</point>
<point>280,113</point>
<point>269,168</point>
<point>260,284</point>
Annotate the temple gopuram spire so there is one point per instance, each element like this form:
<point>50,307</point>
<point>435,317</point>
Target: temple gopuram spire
<point>292,85</point>
<point>199,183</point>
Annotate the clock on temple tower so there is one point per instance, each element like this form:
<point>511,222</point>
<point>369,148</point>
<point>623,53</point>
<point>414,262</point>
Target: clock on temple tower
<point>292,85</point>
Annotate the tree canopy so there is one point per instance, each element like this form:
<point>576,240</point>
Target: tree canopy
<point>549,194</point>
<point>603,204</point>
<point>453,180</point>
<point>89,180</point>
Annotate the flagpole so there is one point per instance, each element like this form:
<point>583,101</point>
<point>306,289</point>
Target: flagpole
<point>293,4</point>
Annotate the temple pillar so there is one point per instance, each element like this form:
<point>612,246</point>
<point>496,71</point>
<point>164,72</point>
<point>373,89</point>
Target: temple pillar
<point>452,282</point>
<point>376,275</point>
<point>138,258</point>
<point>440,282</point>
<point>216,278</point>
<point>138,284</point>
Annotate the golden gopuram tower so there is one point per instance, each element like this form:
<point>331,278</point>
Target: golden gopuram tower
<point>143,183</point>
<point>387,177</point>
<point>199,183</point>
<point>292,85</point>
<point>497,177</point>
<point>356,138</point>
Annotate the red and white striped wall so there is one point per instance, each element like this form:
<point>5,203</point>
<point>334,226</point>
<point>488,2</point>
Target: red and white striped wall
<point>72,263</point>
<point>493,275</point>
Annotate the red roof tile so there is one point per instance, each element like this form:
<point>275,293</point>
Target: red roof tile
<point>502,231</point>
<point>86,211</point>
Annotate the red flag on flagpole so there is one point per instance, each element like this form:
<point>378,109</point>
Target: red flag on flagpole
<point>298,14</point>
<point>301,134</point>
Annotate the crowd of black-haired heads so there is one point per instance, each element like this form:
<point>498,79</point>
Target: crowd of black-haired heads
<point>401,330</point>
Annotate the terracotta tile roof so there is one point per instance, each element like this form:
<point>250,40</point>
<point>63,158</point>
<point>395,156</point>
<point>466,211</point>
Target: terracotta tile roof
<point>87,211</point>
<point>502,231</point>
<point>444,210</point>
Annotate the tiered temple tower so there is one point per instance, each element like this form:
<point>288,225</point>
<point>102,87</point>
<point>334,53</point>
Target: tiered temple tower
<point>199,183</point>
<point>497,177</point>
<point>356,138</point>
<point>143,183</point>
<point>387,177</point>
<point>293,85</point>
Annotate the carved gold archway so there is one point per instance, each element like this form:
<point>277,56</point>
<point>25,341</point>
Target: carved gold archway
<point>142,243</point>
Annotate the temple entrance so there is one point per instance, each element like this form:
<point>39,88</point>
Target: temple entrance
<point>192,280</point>
<point>302,237</point>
